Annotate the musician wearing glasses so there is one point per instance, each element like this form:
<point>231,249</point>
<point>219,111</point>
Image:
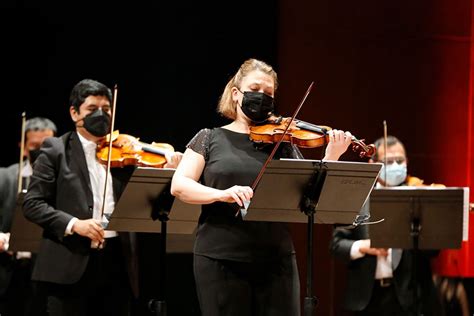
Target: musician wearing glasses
<point>19,296</point>
<point>379,280</point>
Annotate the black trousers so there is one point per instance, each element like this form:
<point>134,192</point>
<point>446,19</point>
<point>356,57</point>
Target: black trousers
<point>21,296</point>
<point>103,290</point>
<point>384,301</point>
<point>252,289</point>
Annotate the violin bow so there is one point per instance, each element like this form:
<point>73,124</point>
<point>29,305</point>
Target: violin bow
<point>22,152</point>
<point>275,148</point>
<point>109,154</point>
<point>385,150</point>
<point>277,145</point>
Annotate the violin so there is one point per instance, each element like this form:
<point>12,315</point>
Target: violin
<point>302,134</point>
<point>129,150</point>
<point>417,182</point>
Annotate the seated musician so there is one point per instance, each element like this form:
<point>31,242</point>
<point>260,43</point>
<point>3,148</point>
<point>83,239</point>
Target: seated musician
<point>380,280</point>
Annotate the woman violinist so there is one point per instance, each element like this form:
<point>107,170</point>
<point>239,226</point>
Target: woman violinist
<point>240,267</point>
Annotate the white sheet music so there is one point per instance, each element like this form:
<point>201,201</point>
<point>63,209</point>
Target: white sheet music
<point>465,221</point>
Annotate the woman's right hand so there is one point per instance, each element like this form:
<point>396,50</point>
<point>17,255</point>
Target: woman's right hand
<point>237,194</point>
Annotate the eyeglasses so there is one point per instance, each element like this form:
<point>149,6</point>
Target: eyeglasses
<point>391,160</point>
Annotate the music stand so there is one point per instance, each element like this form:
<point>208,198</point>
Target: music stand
<point>147,198</point>
<point>419,218</point>
<point>25,235</point>
<point>312,191</point>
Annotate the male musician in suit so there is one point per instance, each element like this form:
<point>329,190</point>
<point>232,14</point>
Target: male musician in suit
<point>380,281</point>
<point>16,292</point>
<point>87,269</point>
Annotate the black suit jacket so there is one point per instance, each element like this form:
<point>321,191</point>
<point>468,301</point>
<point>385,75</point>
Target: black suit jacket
<point>8,196</point>
<point>59,190</point>
<point>361,273</point>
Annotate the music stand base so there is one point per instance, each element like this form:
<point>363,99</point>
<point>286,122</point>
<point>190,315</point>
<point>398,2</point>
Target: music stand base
<point>415,233</point>
<point>309,305</point>
<point>310,301</point>
<point>158,308</point>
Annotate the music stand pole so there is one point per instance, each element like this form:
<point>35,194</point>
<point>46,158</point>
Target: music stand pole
<point>161,209</point>
<point>145,199</point>
<point>415,228</point>
<point>310,301</point>
<point>159,305</point>
<point>308,206</point>
<point>292,190</point>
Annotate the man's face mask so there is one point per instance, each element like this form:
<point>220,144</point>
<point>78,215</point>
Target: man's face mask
<point>257,106</point>
<point>97,123</point>
<point>396,174</point>
<point>33,154</point>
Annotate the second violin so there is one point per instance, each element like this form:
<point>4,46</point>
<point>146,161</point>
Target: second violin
<point>128,150</point>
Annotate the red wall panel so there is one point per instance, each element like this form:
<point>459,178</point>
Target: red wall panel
<point>407,62</point>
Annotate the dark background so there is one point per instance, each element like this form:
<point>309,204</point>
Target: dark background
<point>407,62</point>
<point>169,61</point>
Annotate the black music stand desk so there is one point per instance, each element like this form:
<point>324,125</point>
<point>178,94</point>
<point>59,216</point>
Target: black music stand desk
<point>419,218</point>
<point>441,214</point>
<point>312,191</point>
<point>24,235</point>
<point>344,189</point>
<point>134,208</point>
<point>146,205</point>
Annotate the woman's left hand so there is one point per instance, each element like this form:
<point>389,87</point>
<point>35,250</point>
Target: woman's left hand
<point>339,141</point>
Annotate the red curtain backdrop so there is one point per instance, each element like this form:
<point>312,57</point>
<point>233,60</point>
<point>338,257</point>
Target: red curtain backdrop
<point>460,263</point>
<point>407,62</point>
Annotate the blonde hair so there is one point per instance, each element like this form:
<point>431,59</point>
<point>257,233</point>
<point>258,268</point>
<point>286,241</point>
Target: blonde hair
<point>227,107</point>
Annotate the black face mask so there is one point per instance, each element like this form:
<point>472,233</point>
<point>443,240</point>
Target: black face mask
<point>33,154</point>
<point>257,106</point>
<point>97,123</point>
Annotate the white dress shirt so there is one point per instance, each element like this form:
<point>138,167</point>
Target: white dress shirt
<point>97,172</point>
<point>384,263</point>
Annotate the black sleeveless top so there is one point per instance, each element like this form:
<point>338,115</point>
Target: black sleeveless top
<point>233,159</point>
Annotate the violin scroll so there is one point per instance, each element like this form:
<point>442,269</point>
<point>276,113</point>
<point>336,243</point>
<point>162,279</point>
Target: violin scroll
<point>365,151</point>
